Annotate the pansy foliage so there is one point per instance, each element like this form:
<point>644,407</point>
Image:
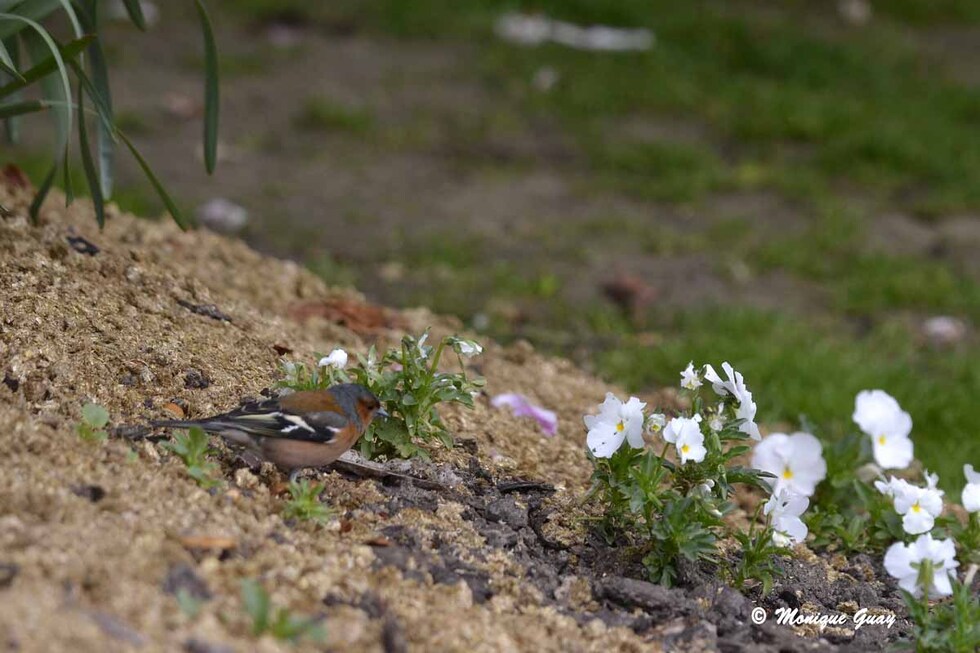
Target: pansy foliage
<point>669,497</point>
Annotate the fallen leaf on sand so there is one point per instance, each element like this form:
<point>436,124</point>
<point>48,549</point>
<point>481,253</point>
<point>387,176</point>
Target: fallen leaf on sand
<point>200,542</point>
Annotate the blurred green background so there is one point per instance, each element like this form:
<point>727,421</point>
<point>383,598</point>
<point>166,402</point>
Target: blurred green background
<point>789,185</point>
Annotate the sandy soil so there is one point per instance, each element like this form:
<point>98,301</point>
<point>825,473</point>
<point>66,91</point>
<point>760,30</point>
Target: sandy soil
<point>95,539</point>
<point>108,328</point>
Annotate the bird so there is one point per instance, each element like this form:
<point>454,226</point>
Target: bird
<point>309,428</point>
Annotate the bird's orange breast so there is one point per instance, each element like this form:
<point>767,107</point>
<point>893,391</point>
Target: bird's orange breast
<point>293,454</point>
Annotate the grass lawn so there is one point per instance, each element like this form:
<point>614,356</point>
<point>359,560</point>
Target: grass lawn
<point>790,100</point>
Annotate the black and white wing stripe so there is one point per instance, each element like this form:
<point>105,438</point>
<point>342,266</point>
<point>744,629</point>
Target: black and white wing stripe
<point>268,419</point>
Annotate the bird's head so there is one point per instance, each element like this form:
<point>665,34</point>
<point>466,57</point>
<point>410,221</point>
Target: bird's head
<point>363,402</point>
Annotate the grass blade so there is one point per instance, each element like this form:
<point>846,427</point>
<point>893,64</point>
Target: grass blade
<point>42,193</point>
<point>56,89</point>
<point>19,108</point>
<point>211,96</point>
<point>68,52</point>
<point>7,63</point>
<point>32,10</point>
<point>87,164</point>
<point>86,83</point>
<point>135,11</point>
<point>66,173</point>
<point>164,197</point>
<point>101,95</point>
<point>72,18</point>
<point>11,125</point>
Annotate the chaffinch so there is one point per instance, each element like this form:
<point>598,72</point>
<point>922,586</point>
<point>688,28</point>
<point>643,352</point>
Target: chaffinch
<point>311,428</point>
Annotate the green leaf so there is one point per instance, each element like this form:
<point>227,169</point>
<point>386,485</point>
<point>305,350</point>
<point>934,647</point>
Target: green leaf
<point>257,605</point>
<point>189,604</point>
<point>164,197</point>
<point>211,97</point>
<point>66,173</point>
<point>72,17</point>
<point>101,94</point>
<point>67,52</point>
<point>57,90</point>
<point>12,124</point>
<point>95,415</point>
<point>29,10</point>
<point>7,64</point>
<point>135,11</point>
<point>42,193</point>
<point>20,108</point>
<point>87,165</point>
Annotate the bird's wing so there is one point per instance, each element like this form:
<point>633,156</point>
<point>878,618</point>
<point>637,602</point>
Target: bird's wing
<point>310,417</point>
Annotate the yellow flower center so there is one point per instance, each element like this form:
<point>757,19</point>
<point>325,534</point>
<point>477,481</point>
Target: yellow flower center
<point>881,440</point>
<point>916,507</point>
<point>685,448</point>
<point>787,473</point>
<point>620,426</point>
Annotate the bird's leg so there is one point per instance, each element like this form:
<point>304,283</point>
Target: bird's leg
<point>293,475</point>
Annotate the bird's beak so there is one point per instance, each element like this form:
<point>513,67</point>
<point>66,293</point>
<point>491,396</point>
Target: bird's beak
<point>381,412</point>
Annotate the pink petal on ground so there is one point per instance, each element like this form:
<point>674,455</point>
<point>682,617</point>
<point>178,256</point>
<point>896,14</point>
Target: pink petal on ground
<point>522,407</point>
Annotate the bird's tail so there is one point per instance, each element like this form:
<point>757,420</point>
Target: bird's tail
<point>177,424</point>
<point>226,429</point>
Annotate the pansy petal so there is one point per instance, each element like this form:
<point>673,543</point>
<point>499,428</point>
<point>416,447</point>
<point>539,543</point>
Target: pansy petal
<point>932,502</point>
<point>604,440</point>
<point>971,497</point>
<point>635,438</point>
<point>898,561</point>
<point>941,585</point>
<point>916,522</point>
<point>896,453</point>
<point>911,585</point>
<point>971,476</point>
<point>794,528</point>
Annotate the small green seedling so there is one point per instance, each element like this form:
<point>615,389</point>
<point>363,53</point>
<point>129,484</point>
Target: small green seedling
<point>192,446</point>
<point>189,604</point>
<point>952,626</point>
<point>759,553</point>
<point>277,621</point>
<point>304,503</point>
<point>92,426</point>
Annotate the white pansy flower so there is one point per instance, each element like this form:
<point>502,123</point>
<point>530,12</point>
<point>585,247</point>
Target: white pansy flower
<point>716,421</point>
<point>796,460</point>
<point>336,359</point>
<point>678,424</point>
<point>685,434</point>
<point>616,422</point>
<point>467,348</point>
<point>892,486</point>
<point>735,386</point>
<point>971,493</point>
<point>656,423</point>
<point>784,509</point>
<point>704,489</point>
<point>919,506</point>
<point>689,378</point>
<point>879,416</point>
<point>926,565</point>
